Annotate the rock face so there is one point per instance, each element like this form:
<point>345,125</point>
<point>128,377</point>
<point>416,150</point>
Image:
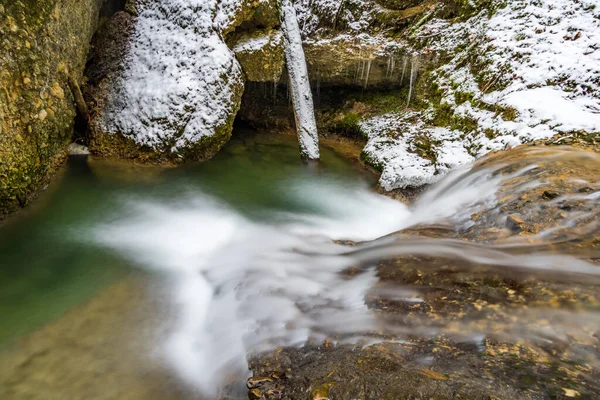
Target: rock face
<point>42,47</point>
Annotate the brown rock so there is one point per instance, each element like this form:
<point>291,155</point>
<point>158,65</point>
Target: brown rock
<point>515,223</point>
<point>258,381</point>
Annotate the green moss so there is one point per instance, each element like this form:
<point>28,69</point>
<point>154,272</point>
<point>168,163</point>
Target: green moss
<point>369,160</point>
<point>465,9</point>
<point>424,148</point>
<point>41,46</point>
<point>461,97</point>
<point>349,126</point>
<point>509,114</point>
<point>385,102</point>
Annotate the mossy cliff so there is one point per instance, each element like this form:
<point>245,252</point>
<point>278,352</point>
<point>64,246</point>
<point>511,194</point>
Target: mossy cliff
<point>43,45</point>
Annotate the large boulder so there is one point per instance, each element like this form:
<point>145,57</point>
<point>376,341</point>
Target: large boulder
<point>174,90</point>
<point>43,50</point>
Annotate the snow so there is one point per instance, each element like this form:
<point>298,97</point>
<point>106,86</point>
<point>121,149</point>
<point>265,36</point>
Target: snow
<point>538,58</point>
<point>257,43</point>
<point>316,16</point>
<point>302,100</point>
<point>177,85</point>
<point>543,55</point>
<point>549,104</point>
<point>392,142</point>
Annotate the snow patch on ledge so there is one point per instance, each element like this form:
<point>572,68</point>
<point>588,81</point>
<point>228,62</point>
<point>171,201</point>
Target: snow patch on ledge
<point>317,16</point>
<point>179,81</point>
<point>274,38</point>
<point>410,153</point>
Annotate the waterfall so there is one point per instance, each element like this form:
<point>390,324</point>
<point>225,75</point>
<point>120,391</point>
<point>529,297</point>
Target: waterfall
<point>299,83</point>
<point>414,68</point>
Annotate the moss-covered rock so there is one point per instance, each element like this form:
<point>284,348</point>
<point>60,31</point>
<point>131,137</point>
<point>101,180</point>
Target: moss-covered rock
<point>261,55</point>
<point>42,46</point>
<point>250,15</point>
<point>398,4</point>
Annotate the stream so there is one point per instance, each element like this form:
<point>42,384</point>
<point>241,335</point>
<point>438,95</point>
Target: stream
<point>168,280</point>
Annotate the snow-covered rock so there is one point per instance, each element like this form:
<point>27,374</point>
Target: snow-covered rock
<point>527,71</point>
<point>410,153</point>
<point>179,87</point>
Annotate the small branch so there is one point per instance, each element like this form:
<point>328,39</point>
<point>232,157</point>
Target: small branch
<point>78,96</point>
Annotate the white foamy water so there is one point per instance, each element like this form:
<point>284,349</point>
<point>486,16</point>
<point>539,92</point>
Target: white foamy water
<point>243,287</point>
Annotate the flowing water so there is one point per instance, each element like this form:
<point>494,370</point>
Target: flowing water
<point>254,251</point>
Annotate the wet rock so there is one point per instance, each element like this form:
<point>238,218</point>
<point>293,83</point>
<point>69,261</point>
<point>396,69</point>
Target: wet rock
<point>258,381</point>
<point>515,223</point>
<point>322,392</point>
<point>264,387</point>
<point>550,194</point>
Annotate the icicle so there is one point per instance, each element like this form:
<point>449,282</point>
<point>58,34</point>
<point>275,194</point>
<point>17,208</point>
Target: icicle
<point>389,67</point>
<point>368,73</point>
<point>318,88</point>
<point>359,63</point>
<point>404,62</point>
<point>302,99</point>
<point>414,68</point>
<point>363,64</point>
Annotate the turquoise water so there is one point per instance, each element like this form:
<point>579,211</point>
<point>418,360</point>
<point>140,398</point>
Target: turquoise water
<point>48,265</point>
